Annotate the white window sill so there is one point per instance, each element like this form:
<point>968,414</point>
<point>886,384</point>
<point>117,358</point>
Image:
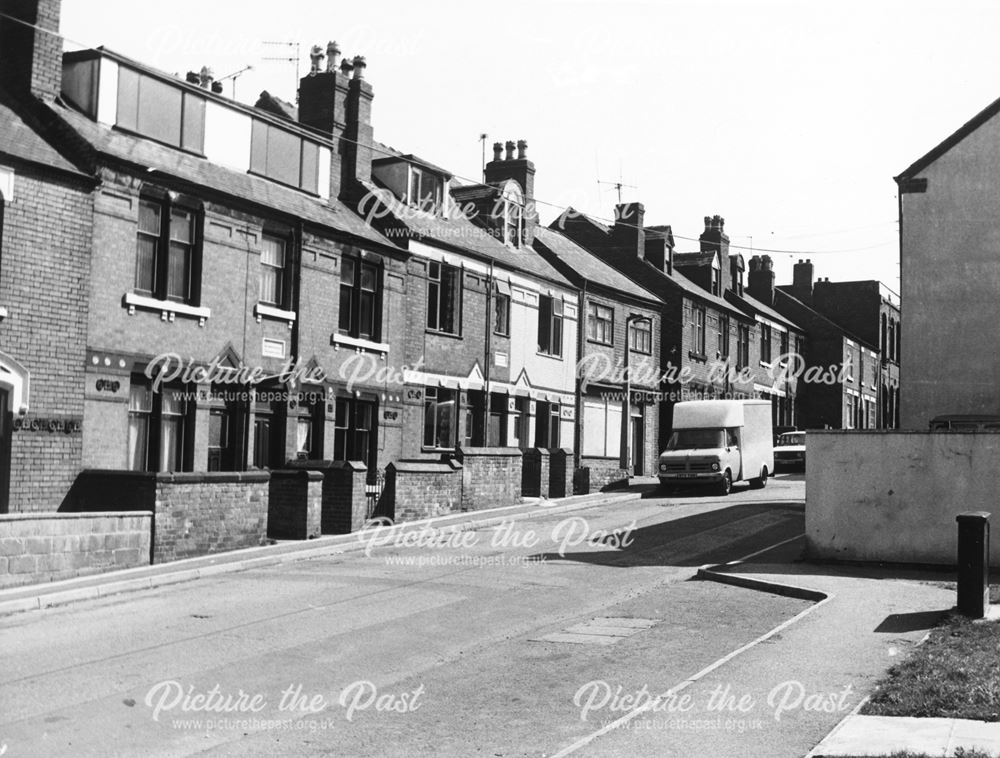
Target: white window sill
<point>168,309</point>
<point>261,310</point>
<point>362,345</point>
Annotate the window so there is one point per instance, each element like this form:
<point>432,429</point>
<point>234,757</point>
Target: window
<point>426,190</point>
<point>715,281</point>
<point>550,325</point>
<point>784,343</point>
<point>360,299</point>
<point>273,271</point>
<point>157,427</point>
<point>848,367</point>
<point>602,427</point>
<point>765,343</point>
<point>641,337</point>
<point>353,435</point>
<point>167,257</point>
<point>513,215</point>
<point>723,345</point>
<point>698,330</point>
<point>284,156</point>
<point>160,111</point>
<point>444,298</point>
<point>501,310</point>
<point>440,417</point>
<point>743,345</point>
<point>600,324</point>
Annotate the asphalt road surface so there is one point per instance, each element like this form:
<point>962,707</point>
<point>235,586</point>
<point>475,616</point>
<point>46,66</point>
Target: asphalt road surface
<point>508,641</point>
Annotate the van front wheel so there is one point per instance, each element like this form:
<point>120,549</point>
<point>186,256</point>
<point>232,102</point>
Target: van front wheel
<point>761,483</point>
<point>725,485</point>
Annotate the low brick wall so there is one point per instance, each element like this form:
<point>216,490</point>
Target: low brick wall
<point>491,477</point>
<point>535,472</point>
<point>344,502</point>
<point>422,489</point>
<point>195,513</point>
<point>295,505</point>
<point>41,547</point>
<point>603,472</point>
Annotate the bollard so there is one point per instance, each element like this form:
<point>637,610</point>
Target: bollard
<point>974,563</point>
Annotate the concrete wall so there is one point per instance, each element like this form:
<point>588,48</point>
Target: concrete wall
<point>893,496</point>
<point>41,547</point>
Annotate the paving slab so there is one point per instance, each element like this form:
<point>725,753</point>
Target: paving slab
<point>883,735</point>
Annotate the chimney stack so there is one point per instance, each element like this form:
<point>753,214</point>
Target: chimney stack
<point>32,57</point>
<point>715,240</point>
<point>629,233</point>
<point>802,279</point>
<point>761,283</point>
<point>505,166</point>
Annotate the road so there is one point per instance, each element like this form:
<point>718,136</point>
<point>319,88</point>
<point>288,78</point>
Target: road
<point>409,650</point>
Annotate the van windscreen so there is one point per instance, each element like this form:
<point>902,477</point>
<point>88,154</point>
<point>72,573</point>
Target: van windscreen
<point>694,439</point>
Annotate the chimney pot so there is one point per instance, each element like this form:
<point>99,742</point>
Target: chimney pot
<point>316,60</point>
<point>217,88</point>
<point>192,77</point>
<point>332,56</point>
<point>522,149</point>
<point>509,147</point>
<point>497,150</point>
<point>345,67</point>
<point>359,66</point>
<point>205,77</point>
<point>708,222</point>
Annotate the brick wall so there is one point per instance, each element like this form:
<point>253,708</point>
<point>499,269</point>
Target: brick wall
<point>344,502</point>
<point>194,513</point>
<point>535,472</point>
<point>422,489</point>
<point>294,505</point>
<point>40,547</point>
<point>491,477</point>
<point>603,471</point>
<point>44,284</point>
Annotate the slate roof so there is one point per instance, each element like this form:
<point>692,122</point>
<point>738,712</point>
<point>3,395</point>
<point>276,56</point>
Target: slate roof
<point>20,140</point>
<point>461,235</point>
<point>204,173</point>
<point>694,259</point>
<point>764,310</point>
<point>587,265</point>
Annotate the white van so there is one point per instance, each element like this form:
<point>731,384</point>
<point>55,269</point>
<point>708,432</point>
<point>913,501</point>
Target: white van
<point>719,442</point>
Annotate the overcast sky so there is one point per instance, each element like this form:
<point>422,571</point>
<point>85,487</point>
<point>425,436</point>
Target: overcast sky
<point>787,118</point>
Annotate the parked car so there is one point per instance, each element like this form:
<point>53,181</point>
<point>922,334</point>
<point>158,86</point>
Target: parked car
<point>790,452</point>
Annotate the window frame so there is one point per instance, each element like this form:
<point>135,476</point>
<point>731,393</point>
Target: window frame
<point>723,340</point>
<point>152,454</point>
<point>595,322</point>
<point>743,345</point>
<point>284,293</point>
<point>699,325</point>
<point>456,276</point>
<point>647,332</point>
<point>434,394</point>
<point>766,343</point>
<point>501,307</point>
<point>167,204</point>
<point>356,291</point>
<point>552,317</point>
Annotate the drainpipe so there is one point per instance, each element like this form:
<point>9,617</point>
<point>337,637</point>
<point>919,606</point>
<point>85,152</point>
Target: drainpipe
<point>581,326</point>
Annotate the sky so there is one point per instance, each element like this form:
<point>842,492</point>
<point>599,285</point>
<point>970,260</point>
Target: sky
<point>789,119</point>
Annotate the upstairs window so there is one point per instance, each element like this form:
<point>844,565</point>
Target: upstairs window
<point>784,343</point>
<point>550,326</point>
<point>284,156</point>
<point>743,345</point>
<point>501,309</point>
<point>765,343</point>
<point>167,251</point>
<point>444,298</point>
<point>160,110</point>
<point>723,346</point>
<point>360,298</point>
<point>715,281</point>
<point>698,331</point>
<point>426,190</point>
<point>641,337</point>
<point>600,324</point>
<point>274,278</point>
<point>513,215</point>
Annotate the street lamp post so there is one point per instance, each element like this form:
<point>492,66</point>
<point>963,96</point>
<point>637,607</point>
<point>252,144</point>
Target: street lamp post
<point>625,461</point>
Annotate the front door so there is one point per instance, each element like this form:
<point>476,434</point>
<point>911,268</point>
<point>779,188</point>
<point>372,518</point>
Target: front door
<point>5,430</point>
<point>638,449</point>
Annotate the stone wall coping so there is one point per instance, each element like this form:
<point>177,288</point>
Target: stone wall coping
<point>55,515</point>
<point>560,451</point>
<point>470,452</point>
<point>887,432</point>
<point>180,477</point>
<point>308,474</point>
<point>425,467</point>
<point>539,451</point>
<point>323,464</point>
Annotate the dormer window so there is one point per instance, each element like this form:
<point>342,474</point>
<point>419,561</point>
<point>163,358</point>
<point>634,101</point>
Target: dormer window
<point>426,190</point>
<point>513,214</point>
<point>161,111</point>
